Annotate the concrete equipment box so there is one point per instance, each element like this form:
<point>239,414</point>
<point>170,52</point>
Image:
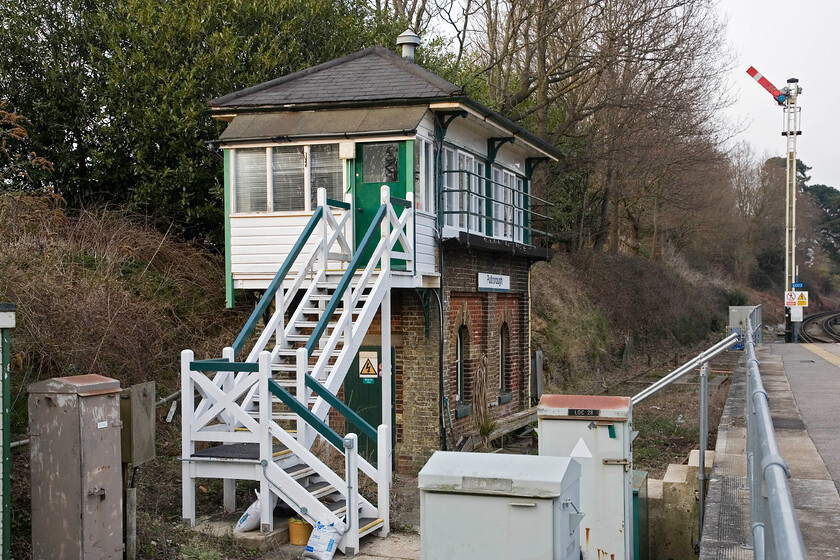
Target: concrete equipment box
<point>484,505</point>
<point>596,432</point>
<point>74,435</point>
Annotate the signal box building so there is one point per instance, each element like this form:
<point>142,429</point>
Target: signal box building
<point>372,138</point>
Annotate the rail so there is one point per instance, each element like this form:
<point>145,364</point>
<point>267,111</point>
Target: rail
<point>507,213</point>
<point>774,529</point>
<point>702,360</point>
<point>686,368</point>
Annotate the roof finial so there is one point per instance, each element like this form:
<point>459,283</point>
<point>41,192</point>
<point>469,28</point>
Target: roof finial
<point>409,40</point>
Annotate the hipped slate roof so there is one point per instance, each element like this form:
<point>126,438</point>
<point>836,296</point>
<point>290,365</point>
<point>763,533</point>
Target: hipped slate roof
<point>371,78</point>
<point>372,74</point>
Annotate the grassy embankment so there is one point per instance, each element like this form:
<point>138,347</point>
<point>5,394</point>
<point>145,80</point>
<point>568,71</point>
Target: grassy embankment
<point>104,292</point>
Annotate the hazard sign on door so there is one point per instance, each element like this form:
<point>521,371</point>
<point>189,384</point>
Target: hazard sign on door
<point>367,365</point>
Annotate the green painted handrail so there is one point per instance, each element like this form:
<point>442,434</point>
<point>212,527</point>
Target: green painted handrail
<point>223,365</point>
<point>400,202</point>
<point>338,204</point>
<point>341,407</point>
<point>298,408</point>
<point>344,282</point>
<point>265,301</point>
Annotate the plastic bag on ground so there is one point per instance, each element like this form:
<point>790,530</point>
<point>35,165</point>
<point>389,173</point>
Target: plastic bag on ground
<point>250,520</point>
<point>324,540</point>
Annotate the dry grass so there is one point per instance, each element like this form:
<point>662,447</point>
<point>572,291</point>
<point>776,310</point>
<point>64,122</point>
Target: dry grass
<point>102,292</point>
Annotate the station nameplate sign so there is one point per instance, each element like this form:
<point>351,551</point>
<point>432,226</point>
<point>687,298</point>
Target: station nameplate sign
<point>493,282</point>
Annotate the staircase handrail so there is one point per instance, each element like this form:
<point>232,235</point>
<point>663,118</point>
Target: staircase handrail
<point>346,278</point>
<point>301,410</point>
<point>275,284</point>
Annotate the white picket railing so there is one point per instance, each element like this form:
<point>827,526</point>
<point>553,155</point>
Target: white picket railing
<point>225,411</point>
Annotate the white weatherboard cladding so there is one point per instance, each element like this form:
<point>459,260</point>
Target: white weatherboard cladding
<point>459,135</point>
<point>259,243</point>
<point>606,490</point>
<point>425,247</point>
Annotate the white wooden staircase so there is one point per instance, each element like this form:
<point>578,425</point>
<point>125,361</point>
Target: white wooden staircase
<point>258,419</point>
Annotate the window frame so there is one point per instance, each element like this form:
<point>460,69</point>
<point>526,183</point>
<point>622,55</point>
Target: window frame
<point>460,364</point>
<point>309,194</point>
<point>505,389</point>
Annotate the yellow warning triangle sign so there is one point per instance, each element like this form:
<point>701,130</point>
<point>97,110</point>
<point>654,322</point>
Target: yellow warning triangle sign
<point>802,299</point>
<point>368,368</point>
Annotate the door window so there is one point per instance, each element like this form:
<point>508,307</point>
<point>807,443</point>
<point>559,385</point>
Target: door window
<point>381,163</point>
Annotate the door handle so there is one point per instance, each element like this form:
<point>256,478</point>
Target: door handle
<point>359,210</point>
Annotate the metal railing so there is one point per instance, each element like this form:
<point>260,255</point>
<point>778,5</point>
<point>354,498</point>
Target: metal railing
<point>515,215</point>
<point>702,360</point>
<point>774,529</point>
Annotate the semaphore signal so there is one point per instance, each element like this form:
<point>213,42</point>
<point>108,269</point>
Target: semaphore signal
<point>787,97</point>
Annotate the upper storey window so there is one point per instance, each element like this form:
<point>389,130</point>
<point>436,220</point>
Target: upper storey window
<point>284,178</point>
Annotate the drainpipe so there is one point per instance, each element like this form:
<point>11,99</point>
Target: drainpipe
<point>440,134</point>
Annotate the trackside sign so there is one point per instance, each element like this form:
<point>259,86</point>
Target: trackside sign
<point>796,299</point>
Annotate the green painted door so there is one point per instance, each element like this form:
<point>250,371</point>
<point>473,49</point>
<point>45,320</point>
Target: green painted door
<point>363,393</point>
<point>377,164</point>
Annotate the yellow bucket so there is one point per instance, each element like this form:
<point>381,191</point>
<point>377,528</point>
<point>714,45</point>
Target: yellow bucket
<point>299,531</point>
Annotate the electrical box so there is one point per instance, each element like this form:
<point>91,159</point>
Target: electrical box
<point>137,412</point>
<point>486,505</point>
<point>596,432</point>
<point>74,436</point>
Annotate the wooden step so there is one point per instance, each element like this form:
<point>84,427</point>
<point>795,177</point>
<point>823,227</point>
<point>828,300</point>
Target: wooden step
<point>369,525</point>
<point>320,489</point>
<point>299,471</point>
<point>238,452</point>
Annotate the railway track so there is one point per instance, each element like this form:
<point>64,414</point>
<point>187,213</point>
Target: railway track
<point>821,327</point>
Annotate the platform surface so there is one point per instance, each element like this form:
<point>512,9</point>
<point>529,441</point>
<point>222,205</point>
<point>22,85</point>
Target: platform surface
<point>803,385</point>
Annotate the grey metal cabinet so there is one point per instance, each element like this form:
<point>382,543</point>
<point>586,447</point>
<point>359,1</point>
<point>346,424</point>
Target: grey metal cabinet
<point>511,507</point>
<point>74,430</point>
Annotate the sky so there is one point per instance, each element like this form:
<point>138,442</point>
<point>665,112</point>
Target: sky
<point>788,39</point>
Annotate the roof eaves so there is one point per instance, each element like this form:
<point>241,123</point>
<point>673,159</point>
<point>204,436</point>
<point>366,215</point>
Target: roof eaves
<point>226,110</point>
<point>518,131</point>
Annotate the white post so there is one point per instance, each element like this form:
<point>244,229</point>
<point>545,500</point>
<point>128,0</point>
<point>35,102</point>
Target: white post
<point>385,319</point>
<point>302,362</point>
<point>307,180</point>
<point>351,467</point>
<point>385,229</point>
<point>280,309</point>
<point>383,478</point>
<point>386,373</point>
<point>229,484</point>
<point>409,232</point>
<point>187,445</point>
<point>266,513</point>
